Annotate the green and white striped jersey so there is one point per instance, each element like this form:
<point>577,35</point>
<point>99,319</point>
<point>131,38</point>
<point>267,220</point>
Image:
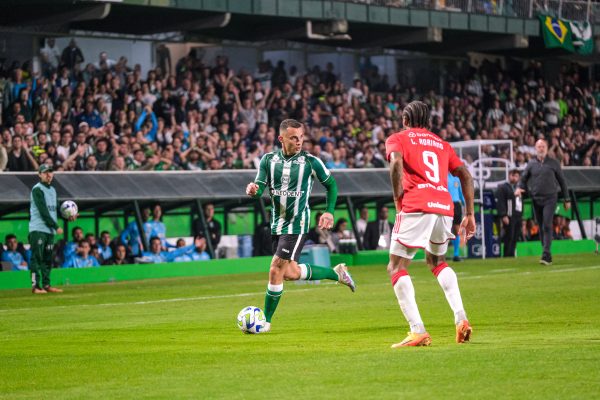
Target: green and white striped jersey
<point>290,181</point>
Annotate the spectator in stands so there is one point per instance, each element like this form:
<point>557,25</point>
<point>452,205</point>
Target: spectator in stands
<point>261,240</point>
<point>317,235</point>
<point>183,257</point>
<point>71,55</point>
<point>120,257</point>
<point>20,157</point>
<point>82,259</point>
<point>157,255</point>
<point>213,227</point>
<point>361,223</point>
<point>532,230</point>
<point>339,232</point>
<point>566,228</point>
<point>199,253</point>
<point>156,227</point>
<point>378,233</point>
<point>69,249</point>
<point>3,155</point>
<point>12,255</point>
<point>131,235</point>
<point>52,56</point>
<point>104,247</point>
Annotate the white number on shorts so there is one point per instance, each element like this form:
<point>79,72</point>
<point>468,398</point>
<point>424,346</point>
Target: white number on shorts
<point>430,159</point>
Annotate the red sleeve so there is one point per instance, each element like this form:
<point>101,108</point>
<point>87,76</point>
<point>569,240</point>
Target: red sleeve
<point>392,144</point>
<point>453,160</point>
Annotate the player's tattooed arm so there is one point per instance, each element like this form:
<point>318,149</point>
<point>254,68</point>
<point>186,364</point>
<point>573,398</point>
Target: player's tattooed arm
<point>396,178</point>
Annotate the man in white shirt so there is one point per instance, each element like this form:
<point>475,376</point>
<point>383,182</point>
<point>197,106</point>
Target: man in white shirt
<point>51,53</point>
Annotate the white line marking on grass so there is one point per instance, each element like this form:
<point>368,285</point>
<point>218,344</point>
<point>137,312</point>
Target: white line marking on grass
<point>202,298</point>
<point>497,271</point>
<point>574,269</point>
<point>174,300</point>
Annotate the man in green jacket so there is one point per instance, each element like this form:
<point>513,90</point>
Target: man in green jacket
<point>43,226</point>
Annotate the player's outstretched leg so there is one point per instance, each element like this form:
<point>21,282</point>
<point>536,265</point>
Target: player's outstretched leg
<point>339,274</point>
<point>449,284</point>
<point>405,293</point>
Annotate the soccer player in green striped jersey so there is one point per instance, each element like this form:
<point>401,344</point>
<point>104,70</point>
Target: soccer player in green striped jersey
<point>289,174</point>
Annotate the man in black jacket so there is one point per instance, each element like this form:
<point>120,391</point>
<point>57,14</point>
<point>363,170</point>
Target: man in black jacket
<point>214,227</point>
<point>510,211</point>
<point>543,178</point>
<point>378,233</point>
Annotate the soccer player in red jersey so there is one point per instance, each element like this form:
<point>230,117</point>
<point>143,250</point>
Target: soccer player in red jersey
<point>419,166</point>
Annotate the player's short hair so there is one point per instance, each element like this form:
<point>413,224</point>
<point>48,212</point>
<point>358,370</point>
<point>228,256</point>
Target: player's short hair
<point>290,123</point>
<point>417,114</point>
<point>9,237</point>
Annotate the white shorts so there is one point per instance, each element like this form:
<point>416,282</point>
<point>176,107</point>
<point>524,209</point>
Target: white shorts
<point>413,231</point>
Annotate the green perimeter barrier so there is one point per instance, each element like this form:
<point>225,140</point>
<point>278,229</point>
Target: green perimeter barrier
<point>70,276</point>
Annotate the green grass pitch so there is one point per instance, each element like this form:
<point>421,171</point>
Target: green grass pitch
<point>536,336</point>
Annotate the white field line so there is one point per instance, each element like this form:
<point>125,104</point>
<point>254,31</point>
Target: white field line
<point>226,296</point>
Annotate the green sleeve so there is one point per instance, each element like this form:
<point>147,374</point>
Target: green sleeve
<point>40,203</point>
<point>327,180</point>
<point>332,193</point>
<point>262,176</point>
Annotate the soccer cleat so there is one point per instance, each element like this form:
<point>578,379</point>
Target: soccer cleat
<point>414,339</point>
<point>51,289</point>
<point>463,331</point>
<point>267,328</point>
<point>545,260</point>
<point>36,290</point>
<point>344,276</point>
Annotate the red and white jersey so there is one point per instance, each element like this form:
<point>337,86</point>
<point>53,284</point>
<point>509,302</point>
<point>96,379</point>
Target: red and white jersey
<point>427,160</point>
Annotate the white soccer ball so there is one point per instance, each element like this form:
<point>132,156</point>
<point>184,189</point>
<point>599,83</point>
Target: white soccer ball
<point>68,209</point>
<point>251,320</point>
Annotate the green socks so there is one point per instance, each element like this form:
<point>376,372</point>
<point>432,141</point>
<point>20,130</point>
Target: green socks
<point>315,273</point>
<point>272,297</point>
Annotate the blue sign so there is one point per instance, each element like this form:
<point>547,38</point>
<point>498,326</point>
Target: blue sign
<point>492,241</point>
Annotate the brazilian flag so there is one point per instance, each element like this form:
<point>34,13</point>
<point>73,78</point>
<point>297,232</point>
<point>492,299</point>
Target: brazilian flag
<point>556,33</point>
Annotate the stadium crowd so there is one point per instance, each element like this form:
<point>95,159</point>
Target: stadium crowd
<point>78,115</point>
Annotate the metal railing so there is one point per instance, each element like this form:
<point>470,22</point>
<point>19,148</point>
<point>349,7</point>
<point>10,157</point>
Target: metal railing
<point>579,10</point>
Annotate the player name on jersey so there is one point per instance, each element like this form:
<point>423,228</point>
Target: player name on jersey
<point>427,159</point>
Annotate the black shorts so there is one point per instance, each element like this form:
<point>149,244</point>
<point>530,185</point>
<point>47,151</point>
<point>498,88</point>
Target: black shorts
<point>288,247</point>
<point>457,214</point>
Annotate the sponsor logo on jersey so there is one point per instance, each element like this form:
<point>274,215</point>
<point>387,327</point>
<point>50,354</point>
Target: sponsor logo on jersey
<point>285,250</point>
<point>441,188</point>
<point>287,193</point>
<point>285,179</point>
<point>275,158</point>
<point>435,204</point>
<point>300,160</point>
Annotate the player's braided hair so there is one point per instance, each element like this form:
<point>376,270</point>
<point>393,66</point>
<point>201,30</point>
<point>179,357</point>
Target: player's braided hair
<point>289,123</point>
<point>417,114</point>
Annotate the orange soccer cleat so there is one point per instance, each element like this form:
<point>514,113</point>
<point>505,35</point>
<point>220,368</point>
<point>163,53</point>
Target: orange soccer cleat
<point>463,331</point>
<point>414,339</point>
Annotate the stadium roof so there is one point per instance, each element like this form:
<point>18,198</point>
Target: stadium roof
<point>441,32</point>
